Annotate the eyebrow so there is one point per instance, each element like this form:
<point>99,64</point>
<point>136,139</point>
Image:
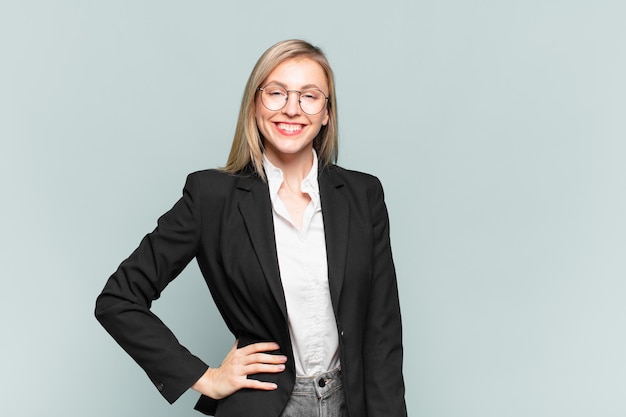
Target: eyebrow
<point>304,87</point>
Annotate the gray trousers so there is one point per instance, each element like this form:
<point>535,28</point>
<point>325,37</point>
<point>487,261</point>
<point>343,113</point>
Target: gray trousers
<point>320,396</point>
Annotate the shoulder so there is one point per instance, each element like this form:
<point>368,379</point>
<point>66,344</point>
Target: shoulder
<point>217,178</point>
<point>211,175</point>
<point>351,178</point>
<point>217,186</point>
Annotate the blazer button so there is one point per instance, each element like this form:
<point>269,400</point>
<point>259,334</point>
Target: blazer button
<point>322,383</point>
<point>160,386</point>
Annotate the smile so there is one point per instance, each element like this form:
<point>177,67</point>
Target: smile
<point>287,127</point>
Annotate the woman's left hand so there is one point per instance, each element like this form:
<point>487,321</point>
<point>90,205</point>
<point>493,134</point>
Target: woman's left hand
<point>232,374</point>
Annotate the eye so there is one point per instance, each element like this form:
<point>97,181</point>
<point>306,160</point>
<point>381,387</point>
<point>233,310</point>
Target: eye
<point>311,95</point>
<point>274,91</point>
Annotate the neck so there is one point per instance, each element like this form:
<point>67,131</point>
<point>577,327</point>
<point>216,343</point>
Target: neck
<point>294,166</point>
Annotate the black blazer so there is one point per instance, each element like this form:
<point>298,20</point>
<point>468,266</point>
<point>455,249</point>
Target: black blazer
<point>225,222</point>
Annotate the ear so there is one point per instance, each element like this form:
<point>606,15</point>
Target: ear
<point>326,118</point>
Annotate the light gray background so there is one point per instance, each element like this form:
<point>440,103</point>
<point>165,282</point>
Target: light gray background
<point>497,128</point>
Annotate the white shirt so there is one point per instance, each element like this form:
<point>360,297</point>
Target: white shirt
<point>304,275</point>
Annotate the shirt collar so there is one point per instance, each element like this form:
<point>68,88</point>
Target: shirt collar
<point>275,179</point>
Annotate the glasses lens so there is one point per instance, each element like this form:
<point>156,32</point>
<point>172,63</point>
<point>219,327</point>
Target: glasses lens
<point>312,101</point>
<point>274,97</point>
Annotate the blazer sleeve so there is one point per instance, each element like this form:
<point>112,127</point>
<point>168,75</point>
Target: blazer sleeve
<point>123,307</point>
<point>382,349</point>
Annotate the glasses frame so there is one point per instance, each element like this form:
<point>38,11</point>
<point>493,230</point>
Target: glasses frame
<point>326,98</point>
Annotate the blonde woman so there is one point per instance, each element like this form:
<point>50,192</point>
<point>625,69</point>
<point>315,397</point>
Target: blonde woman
<point>295,251</point>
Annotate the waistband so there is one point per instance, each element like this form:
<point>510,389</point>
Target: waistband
<point>322,384</point>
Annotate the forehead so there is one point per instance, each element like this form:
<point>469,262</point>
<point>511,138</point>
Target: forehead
<point>298,72</point>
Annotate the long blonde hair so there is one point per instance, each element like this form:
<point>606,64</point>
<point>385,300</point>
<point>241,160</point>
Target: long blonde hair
<point>247,146</point>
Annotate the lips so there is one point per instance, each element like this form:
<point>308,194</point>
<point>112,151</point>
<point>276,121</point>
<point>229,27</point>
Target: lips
<point>289,128</point>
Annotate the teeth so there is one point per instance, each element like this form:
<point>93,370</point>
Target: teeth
<point>289,127</point>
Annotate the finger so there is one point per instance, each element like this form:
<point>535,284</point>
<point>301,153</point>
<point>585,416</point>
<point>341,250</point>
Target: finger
<point>263,368</point>
<point>260,385</point>
<point>265,358</point>
<point>260,347</point>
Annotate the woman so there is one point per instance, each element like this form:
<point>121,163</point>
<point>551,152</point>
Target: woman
<point>295,251</point>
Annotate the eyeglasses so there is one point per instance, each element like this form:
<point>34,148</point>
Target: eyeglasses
<point>274,98</point>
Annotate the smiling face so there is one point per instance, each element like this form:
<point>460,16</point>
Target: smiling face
<point>288,133</point>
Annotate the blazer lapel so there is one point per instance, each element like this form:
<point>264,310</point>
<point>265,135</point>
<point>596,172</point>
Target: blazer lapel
<point>336,213</point>
<point>256,209</point>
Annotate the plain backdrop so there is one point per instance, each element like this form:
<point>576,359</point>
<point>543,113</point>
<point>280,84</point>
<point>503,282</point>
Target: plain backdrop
<point>496,126</point>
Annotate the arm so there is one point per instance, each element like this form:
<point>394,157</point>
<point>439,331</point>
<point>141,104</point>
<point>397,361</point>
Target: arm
<point>384,389</point>
<point>123,307</point>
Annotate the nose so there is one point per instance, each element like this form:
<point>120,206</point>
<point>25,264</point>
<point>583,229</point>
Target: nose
<point>292,107</point>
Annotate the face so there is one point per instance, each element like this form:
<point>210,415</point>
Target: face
<point>288,133</point>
